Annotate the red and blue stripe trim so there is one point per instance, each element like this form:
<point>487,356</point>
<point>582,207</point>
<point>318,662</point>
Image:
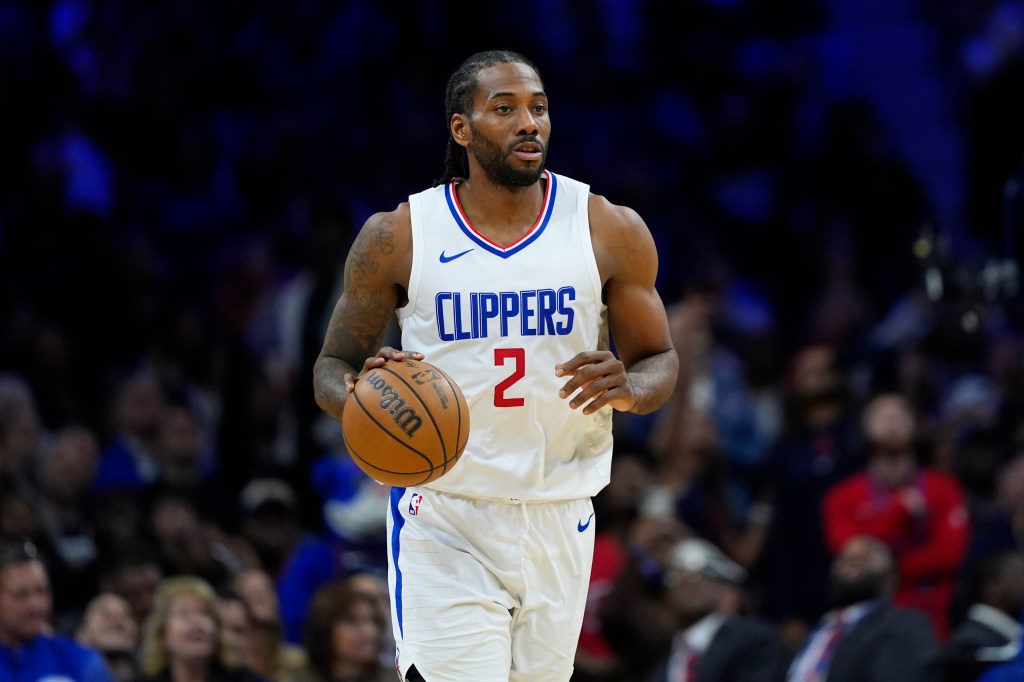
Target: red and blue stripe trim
<point>396,533</point>
<point>497,249</point>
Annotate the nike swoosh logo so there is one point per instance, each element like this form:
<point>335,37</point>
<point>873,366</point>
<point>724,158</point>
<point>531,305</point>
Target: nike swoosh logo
<point>583,526</point>
<point>446,259</point>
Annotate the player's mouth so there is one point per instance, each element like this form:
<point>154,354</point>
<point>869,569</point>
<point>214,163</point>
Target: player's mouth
<point>529,151</point>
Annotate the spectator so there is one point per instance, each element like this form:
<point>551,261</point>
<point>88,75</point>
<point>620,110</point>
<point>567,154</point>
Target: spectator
<point>304,307</point>
<point>183,640</point>
<point>187,544</point>
<point>183,470</point>
<point>918,512</point>
<point>1003,527</point>
<point>816,451</point>
<point>28,649</point>
<point>130,461</point>
<point>237,620</point>
<point>352,511</point>
<point>616,508</point>
<point>864,638</point>
<point>135,577</point>
<point>711,382</point>
<point>713,642</point>
<point>65,515</point>
<point>110,628</point>
<point>694,485</point>
<point>19,441</point>
<point>992,632</point>
<point>267,653</point>
<point>271,523</point>
<point>375,587</point>
<point>344,635</point>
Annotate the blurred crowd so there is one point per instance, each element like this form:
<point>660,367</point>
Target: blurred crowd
<point>837,481</point>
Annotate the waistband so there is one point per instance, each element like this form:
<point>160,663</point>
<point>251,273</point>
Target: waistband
<point>511,501</point>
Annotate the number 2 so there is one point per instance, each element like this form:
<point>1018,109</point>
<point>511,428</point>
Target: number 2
<point>500,355</point>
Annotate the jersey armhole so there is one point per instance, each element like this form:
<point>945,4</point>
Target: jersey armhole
<point>587,244</point>
<point>417,259</point>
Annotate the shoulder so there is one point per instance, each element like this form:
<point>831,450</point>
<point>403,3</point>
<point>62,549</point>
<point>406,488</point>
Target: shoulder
<point>620,238</point>
<point>388,228</point>
<point>382,251</point>
<point>66,646</point>
<point>613,222</point>
<point>749,630</point>
<point>972,634</point>
<point>70,653</point>
<point>900,621</point>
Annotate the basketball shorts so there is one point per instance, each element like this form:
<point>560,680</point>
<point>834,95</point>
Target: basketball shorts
<point>487,590</point>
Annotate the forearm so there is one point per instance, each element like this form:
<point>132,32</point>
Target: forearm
<point>653,379</point>
<point>329,384</point>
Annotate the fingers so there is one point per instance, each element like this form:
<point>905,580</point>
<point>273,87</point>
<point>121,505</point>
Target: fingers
<point>581,359</point>
<point>600,378</point>
<point>590,372</point>
<point>599,393</point>
<point>388,353</point>
<point>620,394</point>
<point>350,382</point>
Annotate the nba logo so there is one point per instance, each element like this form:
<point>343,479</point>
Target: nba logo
<point>414,504</point>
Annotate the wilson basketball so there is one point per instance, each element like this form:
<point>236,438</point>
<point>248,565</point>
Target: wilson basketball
<point>406,423</point>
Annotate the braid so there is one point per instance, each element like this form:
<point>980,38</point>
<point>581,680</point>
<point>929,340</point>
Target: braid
<point>458,99</point>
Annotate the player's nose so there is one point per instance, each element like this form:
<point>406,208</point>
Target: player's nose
<point>526,124</point>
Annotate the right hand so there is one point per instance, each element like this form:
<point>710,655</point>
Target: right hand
<point>383,355</point>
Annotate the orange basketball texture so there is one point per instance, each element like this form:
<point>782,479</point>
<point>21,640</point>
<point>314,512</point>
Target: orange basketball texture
<point>406,423</point>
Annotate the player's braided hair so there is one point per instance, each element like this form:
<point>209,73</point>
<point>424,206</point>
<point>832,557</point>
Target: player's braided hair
<point>458,99</point>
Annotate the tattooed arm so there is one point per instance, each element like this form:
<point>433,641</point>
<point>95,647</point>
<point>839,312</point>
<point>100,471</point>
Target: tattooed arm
<point>376,279</point>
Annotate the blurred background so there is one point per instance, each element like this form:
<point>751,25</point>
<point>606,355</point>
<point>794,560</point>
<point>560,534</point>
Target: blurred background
<point>833,185</point>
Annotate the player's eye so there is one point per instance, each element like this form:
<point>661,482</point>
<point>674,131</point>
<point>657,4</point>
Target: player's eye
<point>540,108</point>
<point>503,108</point>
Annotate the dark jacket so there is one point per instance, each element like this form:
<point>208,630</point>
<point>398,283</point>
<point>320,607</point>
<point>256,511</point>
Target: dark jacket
<point>888,644</point>
<point>743,650</point>
<point>959,659</point>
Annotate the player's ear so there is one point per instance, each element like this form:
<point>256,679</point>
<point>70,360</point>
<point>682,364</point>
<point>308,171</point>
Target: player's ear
<point>460,130</point>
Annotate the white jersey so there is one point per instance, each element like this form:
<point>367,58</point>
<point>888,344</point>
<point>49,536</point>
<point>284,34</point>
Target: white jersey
<point>498,319</point>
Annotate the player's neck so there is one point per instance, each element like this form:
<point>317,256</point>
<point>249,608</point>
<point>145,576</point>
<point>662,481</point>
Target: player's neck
<point>500,212</point>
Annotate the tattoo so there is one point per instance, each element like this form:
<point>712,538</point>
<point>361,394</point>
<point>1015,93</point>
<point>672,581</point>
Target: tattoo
<point>363,258</point>
<point>364,309</point>
<point>364,264</point>
<point>369,300</point>
<point>386,239</point>
<point>361,315</point>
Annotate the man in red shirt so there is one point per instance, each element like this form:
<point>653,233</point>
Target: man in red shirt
<point>917,511</point>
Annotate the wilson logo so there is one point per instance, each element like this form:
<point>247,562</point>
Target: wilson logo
<point>431,377</point>
<point>390,402</point>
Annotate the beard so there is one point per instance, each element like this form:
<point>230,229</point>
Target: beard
<point>494,160</point>
<point>847,593</point>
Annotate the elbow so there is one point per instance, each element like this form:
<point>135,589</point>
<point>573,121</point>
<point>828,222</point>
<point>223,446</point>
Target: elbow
<point>672,358</point>
<point>317,393</point>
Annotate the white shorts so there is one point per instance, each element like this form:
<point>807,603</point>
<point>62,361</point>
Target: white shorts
<point>487,590</point>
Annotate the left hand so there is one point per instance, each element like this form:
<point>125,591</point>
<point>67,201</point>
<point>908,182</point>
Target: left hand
<point>602,376</point>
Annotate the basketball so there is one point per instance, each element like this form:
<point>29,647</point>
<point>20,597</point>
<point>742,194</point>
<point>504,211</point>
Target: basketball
<point>406,423</point>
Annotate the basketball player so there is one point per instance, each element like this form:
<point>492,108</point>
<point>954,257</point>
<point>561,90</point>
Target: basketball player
<point>507,276</point>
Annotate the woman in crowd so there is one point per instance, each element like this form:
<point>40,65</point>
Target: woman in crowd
<point>183,639</point>
<point>344,636</point>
